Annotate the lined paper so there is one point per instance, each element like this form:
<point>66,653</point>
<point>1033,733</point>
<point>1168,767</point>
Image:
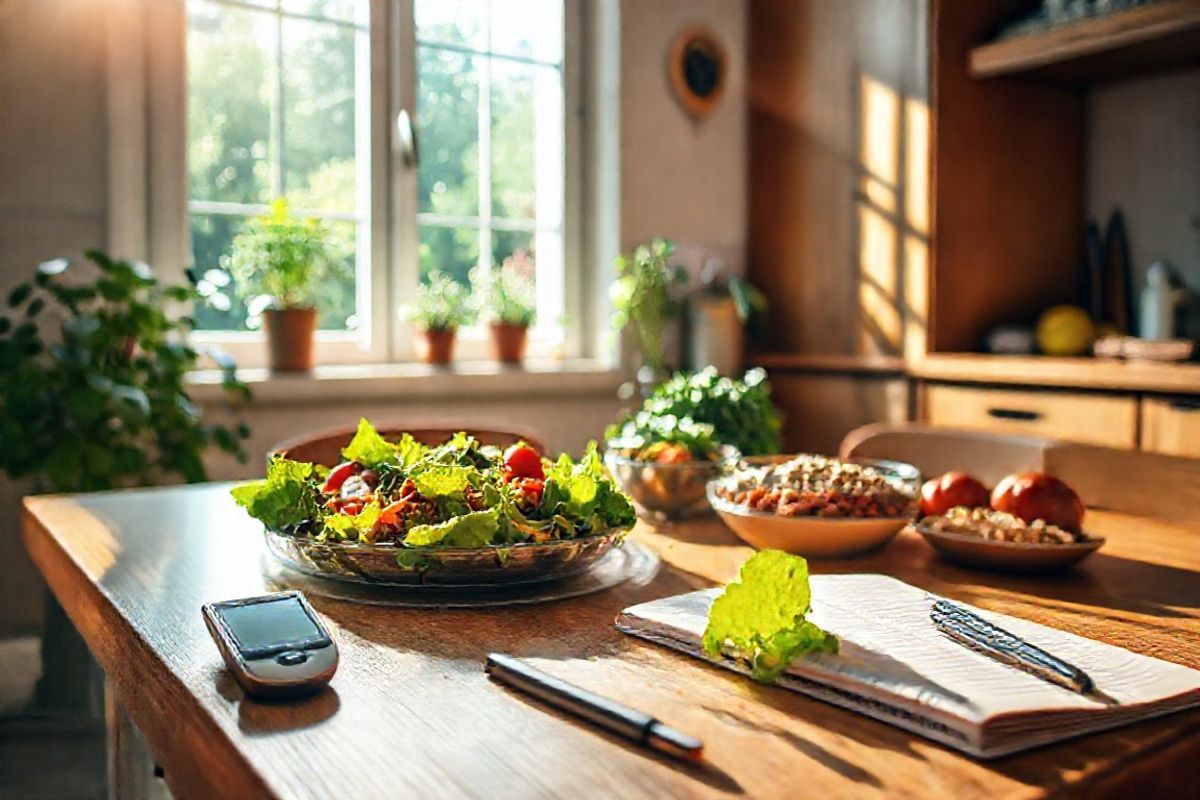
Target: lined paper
<point>895,666</point>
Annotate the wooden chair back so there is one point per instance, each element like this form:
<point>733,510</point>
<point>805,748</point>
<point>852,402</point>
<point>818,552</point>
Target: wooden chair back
<point>325,447</point>
<point>1130,481</point>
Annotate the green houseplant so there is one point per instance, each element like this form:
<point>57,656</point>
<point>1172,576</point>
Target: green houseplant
<point>644,296</point>
<point>505,298</point>
<point>440,307</point>
<point>285,260</point>
<point>92,396</point>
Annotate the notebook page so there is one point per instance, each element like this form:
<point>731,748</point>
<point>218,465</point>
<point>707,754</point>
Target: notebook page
<point>891,651</point>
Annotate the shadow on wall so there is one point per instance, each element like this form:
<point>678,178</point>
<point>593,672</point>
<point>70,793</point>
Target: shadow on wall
<point>892,218</point>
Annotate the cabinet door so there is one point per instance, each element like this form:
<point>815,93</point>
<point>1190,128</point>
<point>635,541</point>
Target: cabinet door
<point>1171,426</point>
<point>820,409</point>
<point>1109,420</point>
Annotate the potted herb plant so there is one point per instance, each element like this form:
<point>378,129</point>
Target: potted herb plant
<point>438,310</point>
<point>644,295</point>
<point>505,298</point>
<point>281,260</point>
<point>94,398</point>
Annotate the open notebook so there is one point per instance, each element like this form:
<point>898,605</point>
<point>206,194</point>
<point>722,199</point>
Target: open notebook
<point>894,666</point>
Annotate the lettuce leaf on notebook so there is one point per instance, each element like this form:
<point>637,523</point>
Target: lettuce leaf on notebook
<point>760,617</point>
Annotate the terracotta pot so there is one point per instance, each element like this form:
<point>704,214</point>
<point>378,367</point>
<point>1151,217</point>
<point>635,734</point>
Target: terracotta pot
<point>508,342</point>
<point>436,347</point>
<point>290,333</point>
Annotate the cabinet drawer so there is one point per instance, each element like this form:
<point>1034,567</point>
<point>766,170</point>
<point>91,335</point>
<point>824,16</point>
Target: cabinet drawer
<point>1171,426</point>
<point>1095,419</point>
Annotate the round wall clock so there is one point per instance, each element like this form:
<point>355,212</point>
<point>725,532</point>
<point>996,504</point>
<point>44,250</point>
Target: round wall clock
<point>696,70</point>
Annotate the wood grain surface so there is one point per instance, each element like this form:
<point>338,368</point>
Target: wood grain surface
<point>410,712</point>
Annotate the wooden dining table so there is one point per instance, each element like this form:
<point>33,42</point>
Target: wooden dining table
<point>410,712</point>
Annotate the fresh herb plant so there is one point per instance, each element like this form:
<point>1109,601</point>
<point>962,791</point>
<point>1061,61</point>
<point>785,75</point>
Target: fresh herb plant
<point>644,296</point>
<point>102,404</point>
<point>506,295</point>
<point>443,304</point>
<point>283,258</point>
<point>703,408</point>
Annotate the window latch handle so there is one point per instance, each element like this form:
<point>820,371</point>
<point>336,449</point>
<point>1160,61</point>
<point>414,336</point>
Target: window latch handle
<point>406,139</point>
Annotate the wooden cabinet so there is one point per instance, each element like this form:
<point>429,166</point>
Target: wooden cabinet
<point>820,409</point>
<point>1171,426</point>
<point>1109,420</point>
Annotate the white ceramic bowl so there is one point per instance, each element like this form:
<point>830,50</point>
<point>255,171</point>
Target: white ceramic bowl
<point>815,537</point>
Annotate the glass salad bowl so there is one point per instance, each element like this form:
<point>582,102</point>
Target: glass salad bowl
<point>666,490</point>
<point>387,563</point>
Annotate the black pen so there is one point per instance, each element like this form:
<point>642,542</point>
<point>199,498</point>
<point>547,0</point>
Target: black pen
<point>608,714</point>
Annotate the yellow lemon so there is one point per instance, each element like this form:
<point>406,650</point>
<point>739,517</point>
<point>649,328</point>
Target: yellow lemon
<point>1065,331</point>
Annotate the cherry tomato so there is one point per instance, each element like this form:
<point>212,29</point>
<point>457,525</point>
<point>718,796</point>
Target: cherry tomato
<point>1035,495</point>
<point>338,475</point>
<point>532,489</point>
<point>522,461</point>
<point>673,454</point>
<point>939,495</point>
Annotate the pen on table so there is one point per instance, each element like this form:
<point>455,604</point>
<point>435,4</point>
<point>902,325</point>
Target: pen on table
<point>609,714</point>
<point>975,632</point>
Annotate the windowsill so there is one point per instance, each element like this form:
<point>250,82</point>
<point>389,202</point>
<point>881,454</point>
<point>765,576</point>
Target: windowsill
<point>407,381</point>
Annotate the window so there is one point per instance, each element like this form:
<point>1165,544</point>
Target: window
<point>490,109</point>
<point>280,101</point>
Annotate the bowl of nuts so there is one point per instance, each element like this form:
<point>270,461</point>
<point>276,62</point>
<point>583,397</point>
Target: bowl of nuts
<point>995,540</point>
<point>816,506</point>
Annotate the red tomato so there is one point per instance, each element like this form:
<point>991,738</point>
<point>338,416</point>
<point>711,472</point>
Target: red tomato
<point>1035,495</point>
<point>522,461</point>
<point>338,475</point>
<point>532,489</point>
<point>939,495</point>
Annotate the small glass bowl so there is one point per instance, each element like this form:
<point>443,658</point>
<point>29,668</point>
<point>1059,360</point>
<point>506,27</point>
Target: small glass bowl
<point>666,490</point>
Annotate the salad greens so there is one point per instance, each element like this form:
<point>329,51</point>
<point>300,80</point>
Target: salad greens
<point>702,411</point>
<point>457,494</point>
<point>760,617</point>
<point>285,498</point>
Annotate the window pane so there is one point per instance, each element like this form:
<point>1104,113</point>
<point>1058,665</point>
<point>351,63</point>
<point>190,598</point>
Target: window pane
<point>459,22</point>
<point>230,69</point>
<point>517,245</point>
<point>528,28</point>
<point>448,119</point>
<point>212,240</point>
<point>346,10</point>
<point>336,301</point>
<point>513,141</point>
<point>319,115</point>
<point>261,71</point>
<point>454,251</point>
<point>212,235</point>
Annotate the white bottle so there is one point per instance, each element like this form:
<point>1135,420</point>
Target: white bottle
<point>1156,322</point>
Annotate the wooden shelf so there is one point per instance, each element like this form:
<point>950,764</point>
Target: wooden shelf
<point>1074,373</point>
<point>1158,36</point>
<point>805,362</point>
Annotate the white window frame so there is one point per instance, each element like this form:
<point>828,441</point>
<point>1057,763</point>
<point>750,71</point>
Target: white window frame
<point>149,196</point>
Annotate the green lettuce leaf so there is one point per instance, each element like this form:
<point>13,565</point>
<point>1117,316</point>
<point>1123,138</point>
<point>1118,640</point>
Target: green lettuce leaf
<point>353,526</point>
<point>287,496</point>
<point>442,481</point>
<point>409,451</point>
<point>469,530</point>
<point>368,447</point>
<point>761,616</point>
<point>578,488</point>
<point>614,507</point>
